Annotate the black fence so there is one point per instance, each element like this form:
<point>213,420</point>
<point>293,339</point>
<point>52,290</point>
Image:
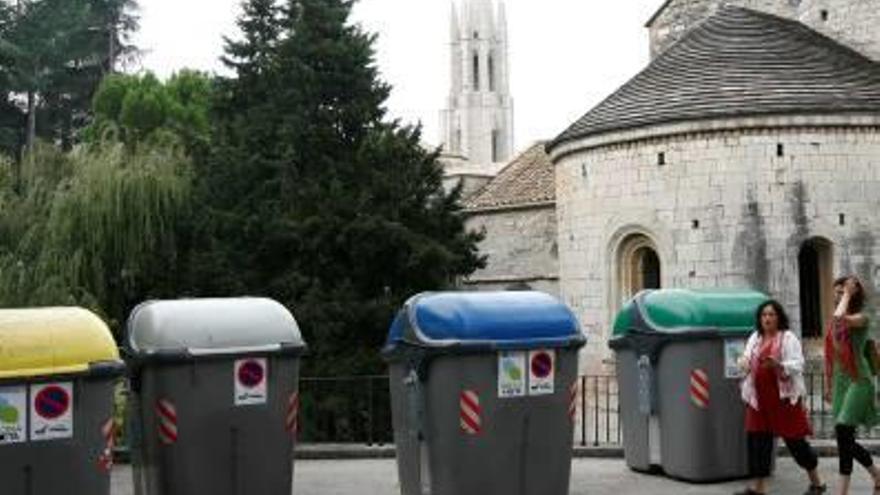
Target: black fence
<point>350,409</point>
<point>357,409</point>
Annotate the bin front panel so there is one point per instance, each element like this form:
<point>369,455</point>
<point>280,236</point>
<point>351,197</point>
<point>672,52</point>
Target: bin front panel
<point>703,434</point>
<point>523,444</point>
<point>71,465</point>
<point>213,446</point>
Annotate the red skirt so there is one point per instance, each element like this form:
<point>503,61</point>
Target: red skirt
<point>776,415</point>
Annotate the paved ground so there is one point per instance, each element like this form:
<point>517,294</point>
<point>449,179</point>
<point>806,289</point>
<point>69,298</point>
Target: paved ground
<point>589,477</point>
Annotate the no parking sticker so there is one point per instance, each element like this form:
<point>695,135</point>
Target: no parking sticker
<point>250,381</point>
<point>51,411</point>
<point>542,364</point>
<point>13,415</point>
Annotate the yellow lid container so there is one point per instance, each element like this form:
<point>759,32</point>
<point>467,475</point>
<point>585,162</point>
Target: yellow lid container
<point>54,341</point>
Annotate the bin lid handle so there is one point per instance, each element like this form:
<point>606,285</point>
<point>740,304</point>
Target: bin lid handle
<point>233,350</point>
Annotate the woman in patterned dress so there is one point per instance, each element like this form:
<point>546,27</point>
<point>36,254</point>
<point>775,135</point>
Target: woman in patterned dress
<point>849,383</point>
<point>773,390</point>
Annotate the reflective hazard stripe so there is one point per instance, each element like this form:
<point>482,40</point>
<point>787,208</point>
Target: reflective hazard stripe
<point>167,417</point>
<point>470,412</point>
<point>291,420</point>
<point>572,401</point>
<point>700,388</point>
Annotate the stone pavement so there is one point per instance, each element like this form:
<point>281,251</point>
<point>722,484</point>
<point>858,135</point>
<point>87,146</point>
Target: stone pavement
<point>590,476</point>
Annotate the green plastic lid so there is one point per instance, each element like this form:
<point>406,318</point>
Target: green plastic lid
<point>678,311</point>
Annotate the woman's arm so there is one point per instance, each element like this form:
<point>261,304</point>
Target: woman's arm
<point>745,361</point>
<point>854,321</point>
<point>792,355</point>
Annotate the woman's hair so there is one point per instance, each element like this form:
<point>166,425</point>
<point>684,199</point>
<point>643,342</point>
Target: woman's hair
<point>857,300</point>
<point>780,313</point>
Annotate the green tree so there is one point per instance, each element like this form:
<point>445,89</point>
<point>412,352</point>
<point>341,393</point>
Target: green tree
<point>98,227</point>
<point>312,196</point>
<point>55,53</point>
<point>135,109</point>
<point>12,119</point>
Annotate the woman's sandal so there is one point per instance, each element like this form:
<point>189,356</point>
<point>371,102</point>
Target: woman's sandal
<point>816,490</point>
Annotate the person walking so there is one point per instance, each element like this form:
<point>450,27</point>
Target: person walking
<point>849,382</point>
<point>773,390</point>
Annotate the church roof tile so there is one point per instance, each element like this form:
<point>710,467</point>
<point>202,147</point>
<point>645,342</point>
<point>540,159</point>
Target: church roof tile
<point>528,179</point>
<point>739,63</point>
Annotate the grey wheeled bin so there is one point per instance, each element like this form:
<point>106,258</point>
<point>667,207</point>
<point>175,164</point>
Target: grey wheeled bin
<point>482,393</point>
<point>58,368</point>
<point>214,396</point>
<point>680,405</point>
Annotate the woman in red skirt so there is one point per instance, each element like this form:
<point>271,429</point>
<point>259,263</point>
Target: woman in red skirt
<point>773,390</point>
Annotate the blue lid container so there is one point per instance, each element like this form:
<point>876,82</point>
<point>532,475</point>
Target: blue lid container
<point>469,321</point>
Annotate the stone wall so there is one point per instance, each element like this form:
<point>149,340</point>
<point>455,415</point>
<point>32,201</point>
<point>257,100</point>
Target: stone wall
<point>854,22</point>
<point>521,249</point>
<point>470,184</point>
<point>851,22</point>
<point>724,211</point>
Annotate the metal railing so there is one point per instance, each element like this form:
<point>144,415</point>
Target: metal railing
<point>599,410</point>
<point>357,409</point>
<point>349,409</point>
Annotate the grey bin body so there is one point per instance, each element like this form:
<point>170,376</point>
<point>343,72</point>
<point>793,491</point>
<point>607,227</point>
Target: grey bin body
<point>57,341</point>
<point>70,465</point>
<point>525,443</point>
<point>186,353</point>
<point>663,429</point>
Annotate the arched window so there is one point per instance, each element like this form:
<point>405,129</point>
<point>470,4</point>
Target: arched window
<point>648,265</point>
<point>491,73</point>
<point>638,266</point>
<point>815,274</point>
<point>476,69</point>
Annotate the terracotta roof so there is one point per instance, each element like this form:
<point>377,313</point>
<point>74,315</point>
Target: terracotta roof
<point>739,63</point>
<point>527,179</point>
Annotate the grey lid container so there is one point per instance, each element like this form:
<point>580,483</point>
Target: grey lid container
<point>192,328</point>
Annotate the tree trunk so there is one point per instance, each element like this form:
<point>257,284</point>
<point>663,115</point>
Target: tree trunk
<point>111,55</point>
<point>32,121</point>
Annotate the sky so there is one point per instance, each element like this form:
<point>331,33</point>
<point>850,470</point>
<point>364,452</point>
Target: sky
<point>565,55</point>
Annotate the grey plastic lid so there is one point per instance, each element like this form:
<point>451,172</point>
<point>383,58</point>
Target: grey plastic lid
<point>201,327</point>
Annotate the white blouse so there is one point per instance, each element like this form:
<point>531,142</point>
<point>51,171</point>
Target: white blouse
<point>791,378</point>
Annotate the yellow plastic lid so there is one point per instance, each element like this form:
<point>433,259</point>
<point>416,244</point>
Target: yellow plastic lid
<point>52,341</point>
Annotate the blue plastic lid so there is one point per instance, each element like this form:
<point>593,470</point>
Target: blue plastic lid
<point>519,319</point>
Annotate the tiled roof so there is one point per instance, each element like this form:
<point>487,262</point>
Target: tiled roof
<point>527,179</point>
<point>739,63</point>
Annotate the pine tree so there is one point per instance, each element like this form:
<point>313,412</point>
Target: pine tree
<point>316,198</point>
<point>55,53</point>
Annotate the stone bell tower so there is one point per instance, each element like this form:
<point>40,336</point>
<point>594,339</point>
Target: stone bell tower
<point>478,121</point>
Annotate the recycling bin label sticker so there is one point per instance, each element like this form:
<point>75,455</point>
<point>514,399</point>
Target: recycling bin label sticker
<point>51,411</point>
<point>511,374</point>
<point>13,415</point>
<point>250,381</point>
<point>542,364</point>
<point>733,351</point>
